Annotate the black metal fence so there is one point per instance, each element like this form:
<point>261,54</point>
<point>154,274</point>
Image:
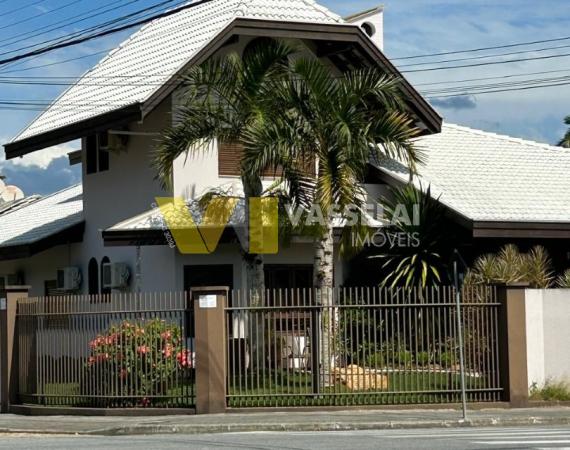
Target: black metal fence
<point>361,346</point>
<point>131,350</point>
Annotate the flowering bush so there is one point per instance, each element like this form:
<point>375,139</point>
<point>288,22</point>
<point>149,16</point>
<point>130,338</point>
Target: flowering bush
<point>136,363</point>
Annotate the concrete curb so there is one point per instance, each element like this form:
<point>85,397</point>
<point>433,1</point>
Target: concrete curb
<point>148,429</point>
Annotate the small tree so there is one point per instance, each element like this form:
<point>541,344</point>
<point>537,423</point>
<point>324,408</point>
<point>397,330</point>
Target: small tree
<point>136,363</point>
<point>340,123</point>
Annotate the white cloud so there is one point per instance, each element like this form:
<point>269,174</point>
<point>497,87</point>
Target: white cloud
<point>40,159</point>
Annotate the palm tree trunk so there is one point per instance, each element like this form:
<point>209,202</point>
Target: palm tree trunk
<point>323,282</point>
<point>255,279</point>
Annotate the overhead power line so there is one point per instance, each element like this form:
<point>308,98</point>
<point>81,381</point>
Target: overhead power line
<point>19,8</point>
<point>57,63</point>
<point>51,11</point>
<point>481,49</point>
<point>111,31</point>
<point>490,63</point>
<point>68,21</point>
<point>497,55</point>
<point>500,90</point>
<point>99,27</point>
<point>486,86</point>
<point>466,80</point>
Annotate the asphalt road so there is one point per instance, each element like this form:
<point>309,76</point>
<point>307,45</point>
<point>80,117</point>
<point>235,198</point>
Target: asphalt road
<point>468,438</point>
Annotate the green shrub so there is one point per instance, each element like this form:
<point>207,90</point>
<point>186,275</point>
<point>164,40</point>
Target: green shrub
<point>509,265</point>
<point>551,391</point>
<point>448,359</point>
<point>423,358</point>
<point>396,354</point>
<point>135,363</point>
<point>375,360</point>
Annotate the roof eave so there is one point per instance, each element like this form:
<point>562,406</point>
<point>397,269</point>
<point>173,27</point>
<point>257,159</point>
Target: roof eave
<point>521,230</point>
<point>73,131</point>
<point>302,30</point>
<point>239,26</point>
<point>69,235</point>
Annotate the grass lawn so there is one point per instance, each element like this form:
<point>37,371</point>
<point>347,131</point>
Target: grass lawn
<point>281,389</point>
<point>403,388</point>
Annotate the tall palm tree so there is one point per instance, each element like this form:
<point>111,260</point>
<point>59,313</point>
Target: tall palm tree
<point>565,142</point>
<point>221,99</point>
<point>340,122</point>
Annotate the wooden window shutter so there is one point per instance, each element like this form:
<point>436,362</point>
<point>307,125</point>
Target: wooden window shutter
<point>229,158</point>
<point>229,162</point>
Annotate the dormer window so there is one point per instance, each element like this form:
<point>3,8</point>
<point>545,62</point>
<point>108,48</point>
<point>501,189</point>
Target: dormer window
<point>97,152</point>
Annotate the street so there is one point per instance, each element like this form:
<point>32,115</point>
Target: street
<point>457,438</point>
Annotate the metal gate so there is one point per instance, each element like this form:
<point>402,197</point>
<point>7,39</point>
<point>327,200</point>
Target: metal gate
<point>107,351</point>
<point>361,346</point>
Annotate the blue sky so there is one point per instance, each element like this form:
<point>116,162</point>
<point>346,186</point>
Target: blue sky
<point>412,27</point>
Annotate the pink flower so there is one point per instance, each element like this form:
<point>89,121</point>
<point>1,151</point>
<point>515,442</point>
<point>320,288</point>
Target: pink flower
<point>167,335</point>
<point>184,358</point>
<point>167,351</point>
<point>143,350</point>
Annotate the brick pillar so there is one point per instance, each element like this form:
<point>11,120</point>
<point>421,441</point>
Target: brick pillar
<point>8,357</point>
<point>512,344</point>
<point>211,348</point>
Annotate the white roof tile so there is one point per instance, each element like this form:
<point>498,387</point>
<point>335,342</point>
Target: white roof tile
<point>132,72</point>
<point>42,218</point>
<point>490,177</point>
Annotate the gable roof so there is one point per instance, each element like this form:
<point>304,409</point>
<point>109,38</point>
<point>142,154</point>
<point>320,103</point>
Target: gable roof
<point>132,72</point>
<point>38,220</point>
<point>486,177</point>
<point>129,82</point>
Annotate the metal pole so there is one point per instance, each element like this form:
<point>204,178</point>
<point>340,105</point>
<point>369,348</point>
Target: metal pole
<point>460,333</point>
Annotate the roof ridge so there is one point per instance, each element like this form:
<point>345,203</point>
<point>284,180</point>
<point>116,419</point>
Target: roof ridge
<point>326,11</point>
<point>504,137</point>
<point>41,198</point>
<point>53,194</point>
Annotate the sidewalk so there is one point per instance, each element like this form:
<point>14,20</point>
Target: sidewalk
<point>281,421</point>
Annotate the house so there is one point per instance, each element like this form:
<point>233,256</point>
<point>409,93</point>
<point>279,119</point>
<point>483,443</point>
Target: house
<point>107,226</point>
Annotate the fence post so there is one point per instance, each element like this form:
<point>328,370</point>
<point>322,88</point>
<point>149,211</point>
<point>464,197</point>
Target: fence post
<point>512,343</point>
<point>8,357</point>
<point>211,347</point>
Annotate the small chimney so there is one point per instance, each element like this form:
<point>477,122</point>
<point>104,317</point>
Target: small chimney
<point>372,23</point>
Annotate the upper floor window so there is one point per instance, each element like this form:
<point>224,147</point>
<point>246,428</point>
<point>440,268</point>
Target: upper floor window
<point>229,162</point>
<point>97,152</point>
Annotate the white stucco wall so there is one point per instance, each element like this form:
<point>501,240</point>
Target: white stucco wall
<point>128,188</point>
<point>43,266</point>
<point>548,335</point>
<point>376,19</point>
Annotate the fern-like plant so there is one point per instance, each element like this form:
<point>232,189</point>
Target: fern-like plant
<point>512,266</point>
<point>418,265</point>
<point>563,280</point>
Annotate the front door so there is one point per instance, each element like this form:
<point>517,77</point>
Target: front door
<point>204,276</point>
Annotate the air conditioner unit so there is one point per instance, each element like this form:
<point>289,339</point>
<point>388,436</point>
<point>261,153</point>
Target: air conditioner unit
<point>8,280</point>
<point>68,279</point>
<point>115,275</point>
